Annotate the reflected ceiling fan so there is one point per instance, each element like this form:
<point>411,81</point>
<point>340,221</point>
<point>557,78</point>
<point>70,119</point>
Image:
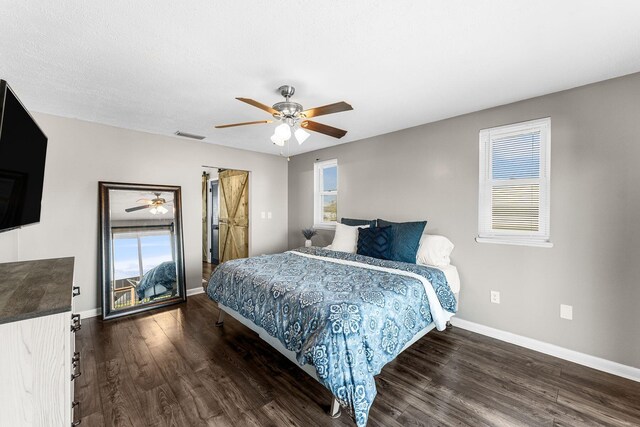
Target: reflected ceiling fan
<point>295,118</point>
<point>155,205</point>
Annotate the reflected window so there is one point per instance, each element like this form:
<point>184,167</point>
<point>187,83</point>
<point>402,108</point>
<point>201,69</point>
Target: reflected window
<point>143,265</point>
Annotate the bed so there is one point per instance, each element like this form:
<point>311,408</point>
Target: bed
<point>340,316</point>
<point>158,281</point>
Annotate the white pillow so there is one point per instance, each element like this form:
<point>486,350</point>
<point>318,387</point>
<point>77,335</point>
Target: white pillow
<point>434,250</point>
<point>346,238</point>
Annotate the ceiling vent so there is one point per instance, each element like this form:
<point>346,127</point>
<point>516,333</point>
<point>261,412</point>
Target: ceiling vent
<point>190,135</point>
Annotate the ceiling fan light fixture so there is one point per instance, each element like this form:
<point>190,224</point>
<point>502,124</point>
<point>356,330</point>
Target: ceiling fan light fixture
<point>277,140</point>
<point>292,116</point>
<point>283,131</point>
<point>153,211</point>
<point>301,135</point>
<point>162,209</point>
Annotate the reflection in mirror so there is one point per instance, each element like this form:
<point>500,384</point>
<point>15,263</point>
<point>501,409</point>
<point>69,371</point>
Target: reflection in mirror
<point>142,247</point>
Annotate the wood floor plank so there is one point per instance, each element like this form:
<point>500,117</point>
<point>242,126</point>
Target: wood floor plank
<point>120,401</point>
<point>162,409</point>
<point>197,403</point>
<point>603,413</point>
<point>384,414</point>
<point>222,421</point>
<point>230,397</point>
<point>140,363</point>
<point>95,419</point>
<point>502,398</point>
<point>222,357</point>
<point>587,378</point>
<point>435,412</point>
<point>510,373</point>
<point>172,367</point>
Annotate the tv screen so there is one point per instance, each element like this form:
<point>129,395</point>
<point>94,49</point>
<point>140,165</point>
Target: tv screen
<point>23,148</point>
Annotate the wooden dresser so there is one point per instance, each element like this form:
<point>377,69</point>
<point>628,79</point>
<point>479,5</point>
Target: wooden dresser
<point>38,362</point>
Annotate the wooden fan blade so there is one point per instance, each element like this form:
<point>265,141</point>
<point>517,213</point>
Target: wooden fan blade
<point>258,104</point>
<point>327,109</point>
<point>137,208</point>
<point>257,122</point>
<point>325,129</point>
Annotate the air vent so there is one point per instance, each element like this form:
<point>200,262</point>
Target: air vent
<point>189,135</point>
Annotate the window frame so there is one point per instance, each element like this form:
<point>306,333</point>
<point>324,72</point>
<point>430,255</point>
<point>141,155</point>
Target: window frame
<point>318,193</point>
<point>486,183</point>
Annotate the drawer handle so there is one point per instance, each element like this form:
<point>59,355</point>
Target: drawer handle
<point>75,374</point>
<point>75,323</point>
<point>76,291</point>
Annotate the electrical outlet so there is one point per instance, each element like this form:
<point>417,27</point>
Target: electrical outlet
<point>495,297</point>
<point>263,215</point>
<point>566,311</point>
<point>269,215</point>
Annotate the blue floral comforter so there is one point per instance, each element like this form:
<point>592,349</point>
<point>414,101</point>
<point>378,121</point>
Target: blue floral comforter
<point>347,315</point>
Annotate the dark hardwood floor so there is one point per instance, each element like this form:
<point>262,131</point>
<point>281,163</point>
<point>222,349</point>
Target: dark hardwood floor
<point>172,367</point>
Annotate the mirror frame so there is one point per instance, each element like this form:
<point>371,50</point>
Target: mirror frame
<point>105,247</point>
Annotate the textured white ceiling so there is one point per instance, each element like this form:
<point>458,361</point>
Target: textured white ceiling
<point>119,200</point>
<point>162,66</point>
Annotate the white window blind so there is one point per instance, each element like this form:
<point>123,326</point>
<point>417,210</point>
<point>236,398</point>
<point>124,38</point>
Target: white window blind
<point>514,184</point>
<point>325,205</point>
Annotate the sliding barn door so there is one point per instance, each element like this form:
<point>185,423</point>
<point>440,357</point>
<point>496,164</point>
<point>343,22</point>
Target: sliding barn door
<point>234,214</point>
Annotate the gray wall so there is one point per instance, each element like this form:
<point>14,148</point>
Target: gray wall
<point>431,172</point>
<point>81,153</point>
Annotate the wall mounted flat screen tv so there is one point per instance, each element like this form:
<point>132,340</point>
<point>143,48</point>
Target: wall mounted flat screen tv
<point>23,149</point>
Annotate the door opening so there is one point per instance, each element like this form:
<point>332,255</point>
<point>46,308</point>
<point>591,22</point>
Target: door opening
<point>225,219</point>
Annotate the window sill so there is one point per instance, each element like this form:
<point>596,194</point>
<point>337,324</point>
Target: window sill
<point>324,226</point>
<point>516,242</point>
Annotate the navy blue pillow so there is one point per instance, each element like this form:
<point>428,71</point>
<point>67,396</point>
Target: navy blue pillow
<point>375,242</point>
<point>406,239</point>
<point>352,222</point>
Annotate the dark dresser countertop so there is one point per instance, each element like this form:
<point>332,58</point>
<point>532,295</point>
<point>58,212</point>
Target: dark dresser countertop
<point>31,289</point>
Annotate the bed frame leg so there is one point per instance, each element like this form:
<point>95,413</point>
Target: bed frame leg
<point>334,412</point>
<point>220,321</point>
<point>449,325</point>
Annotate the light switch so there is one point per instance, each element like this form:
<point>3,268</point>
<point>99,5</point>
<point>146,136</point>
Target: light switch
<point>269,216</point>
<point>263,214</point>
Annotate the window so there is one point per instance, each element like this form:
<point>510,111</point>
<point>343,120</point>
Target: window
<point>325,205</point>
<point>514,184</point>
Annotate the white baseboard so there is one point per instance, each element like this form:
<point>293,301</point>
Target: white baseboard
<point>195,291</point>
<point>594,362</point>
<point>94,312</point>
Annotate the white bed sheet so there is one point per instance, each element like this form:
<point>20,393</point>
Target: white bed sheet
<point>450,272</point>
<point>453,278</point>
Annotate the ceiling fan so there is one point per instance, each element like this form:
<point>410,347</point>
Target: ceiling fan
<point>154,205</point>
<point>294,117</point>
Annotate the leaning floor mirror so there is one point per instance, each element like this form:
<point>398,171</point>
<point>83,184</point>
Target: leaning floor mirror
<point>141,255</point>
